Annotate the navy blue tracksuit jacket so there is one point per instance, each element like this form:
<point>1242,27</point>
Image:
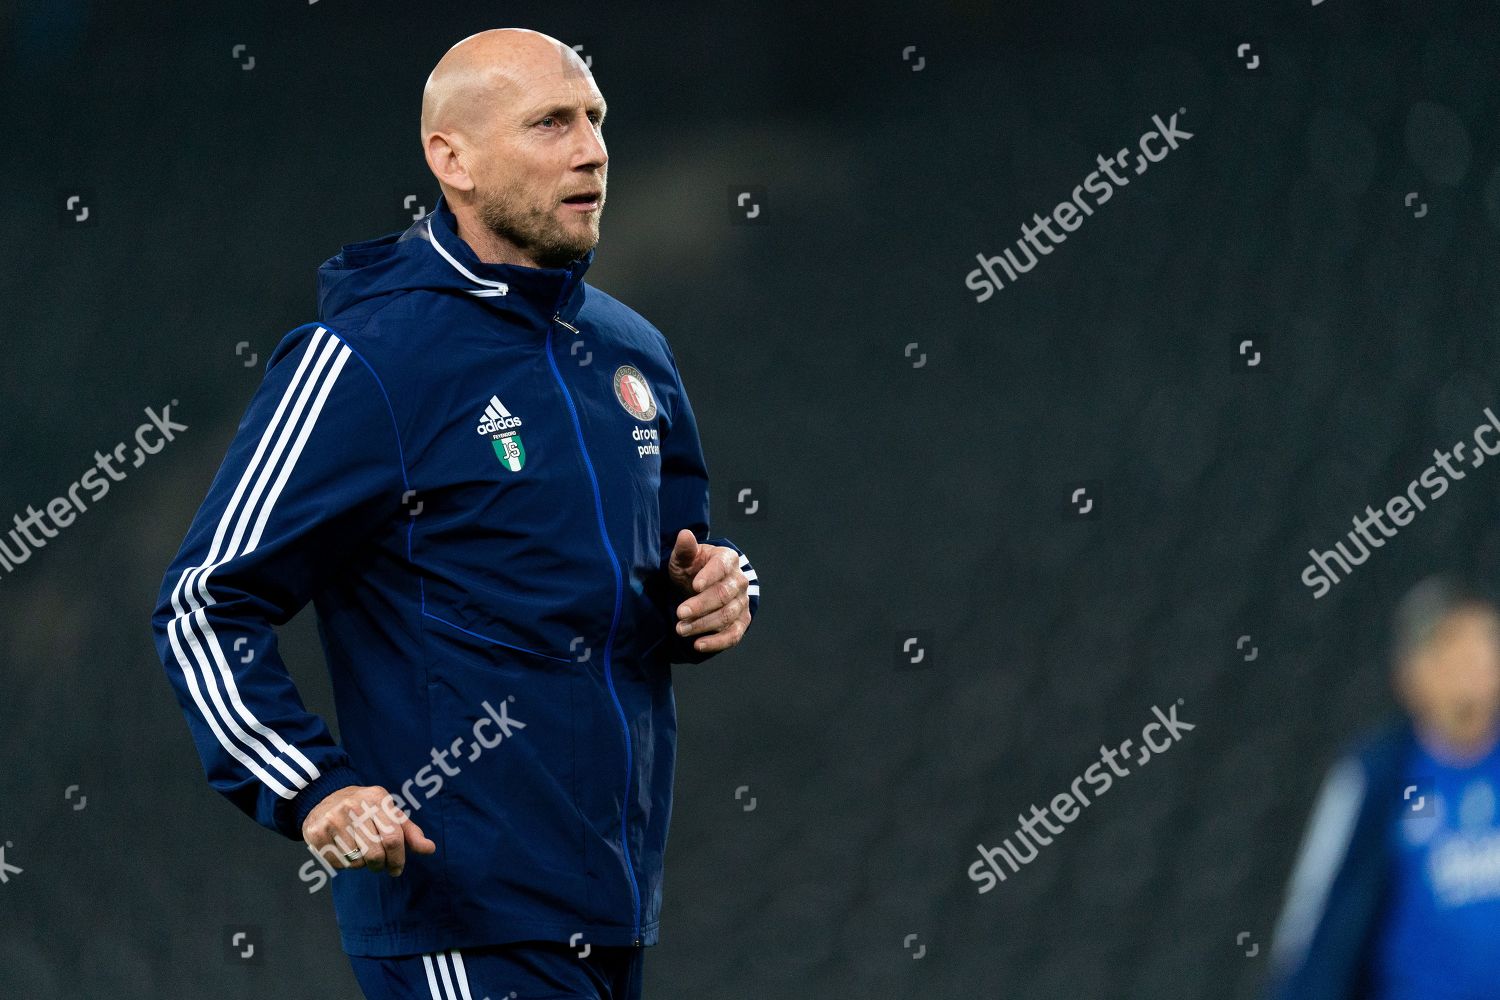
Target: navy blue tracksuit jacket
<point>475,472</point>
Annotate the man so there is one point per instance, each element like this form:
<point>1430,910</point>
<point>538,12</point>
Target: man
<point>486,476</point>
<point>1396,892</point>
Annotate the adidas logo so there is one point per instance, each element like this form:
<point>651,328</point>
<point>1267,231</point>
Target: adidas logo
<point>497,418</point>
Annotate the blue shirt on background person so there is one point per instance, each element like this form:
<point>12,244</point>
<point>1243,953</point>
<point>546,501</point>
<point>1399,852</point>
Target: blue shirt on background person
<point>1439,938</point>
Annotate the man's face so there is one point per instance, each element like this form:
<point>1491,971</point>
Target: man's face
<point>1451,685</point>
<point>540,176</point>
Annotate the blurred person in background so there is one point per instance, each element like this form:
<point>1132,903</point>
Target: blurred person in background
<point>1395,894</point>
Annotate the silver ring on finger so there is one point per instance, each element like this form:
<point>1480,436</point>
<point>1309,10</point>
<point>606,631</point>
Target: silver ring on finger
<point>353,855</point>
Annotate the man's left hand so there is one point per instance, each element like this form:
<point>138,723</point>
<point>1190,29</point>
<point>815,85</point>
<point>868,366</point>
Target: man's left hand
<point>719,609</point>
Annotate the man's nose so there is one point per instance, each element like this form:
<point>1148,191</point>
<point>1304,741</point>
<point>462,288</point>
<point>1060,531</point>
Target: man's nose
<point>591,152</point>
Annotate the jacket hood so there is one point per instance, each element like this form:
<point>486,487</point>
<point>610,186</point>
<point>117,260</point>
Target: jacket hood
<point>430,255</point>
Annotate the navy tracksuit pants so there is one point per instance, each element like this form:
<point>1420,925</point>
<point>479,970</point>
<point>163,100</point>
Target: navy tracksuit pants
<point>524,970</point>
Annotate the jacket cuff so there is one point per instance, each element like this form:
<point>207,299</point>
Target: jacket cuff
<point>754,589</point>
<point>324,785</point>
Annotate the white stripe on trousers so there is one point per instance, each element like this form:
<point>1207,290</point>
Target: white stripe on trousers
<point>192,586</point>
<point>459,976</point>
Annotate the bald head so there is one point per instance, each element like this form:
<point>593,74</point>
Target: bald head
<point>490,71</point>
<point>512,128</point>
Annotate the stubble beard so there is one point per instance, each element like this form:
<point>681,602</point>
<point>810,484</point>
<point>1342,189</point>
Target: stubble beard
<point>536,232</point>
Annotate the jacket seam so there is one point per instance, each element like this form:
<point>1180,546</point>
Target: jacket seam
<point>389,409</point>
<point>507,645</point>
<point>426,655</point>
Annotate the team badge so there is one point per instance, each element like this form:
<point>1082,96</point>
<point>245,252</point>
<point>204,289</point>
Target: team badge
<point>634,393</point>
<point>502,428</point>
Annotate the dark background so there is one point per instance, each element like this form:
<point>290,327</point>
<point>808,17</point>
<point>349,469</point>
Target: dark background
<point>897,501</point>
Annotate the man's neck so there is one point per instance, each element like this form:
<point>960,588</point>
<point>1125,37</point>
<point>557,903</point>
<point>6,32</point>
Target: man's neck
<point>487,246</point>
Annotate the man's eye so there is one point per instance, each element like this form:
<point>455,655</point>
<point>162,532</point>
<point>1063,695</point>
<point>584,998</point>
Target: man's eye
<point>549,118</point>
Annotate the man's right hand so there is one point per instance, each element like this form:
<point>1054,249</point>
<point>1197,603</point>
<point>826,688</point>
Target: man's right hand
<point>364,818</point>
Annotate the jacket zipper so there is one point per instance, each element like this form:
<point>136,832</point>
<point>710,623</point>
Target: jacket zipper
<point>635,892</point>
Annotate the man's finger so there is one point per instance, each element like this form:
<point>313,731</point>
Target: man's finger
<point>416,840</point>
<point>724,561</point>
<point>711,593</point>
<point>344,842</point>
<point>731,585</point>
<point>716,619</point>
<point>724,638</point>
<point>370,830</point>
<point>368,843</point>
<point>393,843</point>
<point>684,549</point>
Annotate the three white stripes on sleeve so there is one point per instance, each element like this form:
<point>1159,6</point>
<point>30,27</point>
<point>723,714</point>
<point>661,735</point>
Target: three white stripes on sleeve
<point>254,498</point>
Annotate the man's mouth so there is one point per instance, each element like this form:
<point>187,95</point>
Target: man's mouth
<point>584,201</point>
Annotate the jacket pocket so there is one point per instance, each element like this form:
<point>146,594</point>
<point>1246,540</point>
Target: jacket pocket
<point>503,620</point>
<point>515,835</point>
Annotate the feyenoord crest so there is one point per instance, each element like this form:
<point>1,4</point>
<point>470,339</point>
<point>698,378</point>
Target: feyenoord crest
<point>501,426</point>
<point>633,393</point>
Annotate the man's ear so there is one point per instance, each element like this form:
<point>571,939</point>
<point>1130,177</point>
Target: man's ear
<point>450,160</point>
